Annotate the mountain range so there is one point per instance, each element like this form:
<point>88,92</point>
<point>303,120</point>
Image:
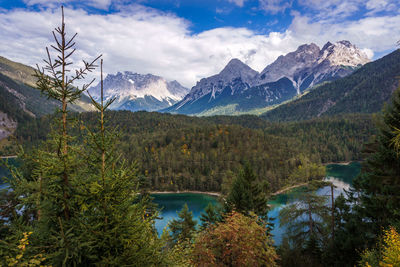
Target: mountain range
<point>238,88</point>
<point>307,83</point>
<point>364,91</point>
<point>134,92</point>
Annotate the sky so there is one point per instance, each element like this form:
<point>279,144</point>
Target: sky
<point>187,40</point>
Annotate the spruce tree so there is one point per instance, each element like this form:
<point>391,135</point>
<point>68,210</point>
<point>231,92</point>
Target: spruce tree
<point>247,194</point>
<point>378,186</point>
<point>79,200</point>
<point>210,216</point>
<point>182,229</point>
<point>116,221</point>
<point>307,222</point>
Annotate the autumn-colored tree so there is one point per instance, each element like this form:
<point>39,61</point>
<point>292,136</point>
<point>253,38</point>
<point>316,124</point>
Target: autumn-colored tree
<point>386,253</point>
<point>237,241</point>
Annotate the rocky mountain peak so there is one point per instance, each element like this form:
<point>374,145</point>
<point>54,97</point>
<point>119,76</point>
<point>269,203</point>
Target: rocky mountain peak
<point>236,68</point>
<point>136,91</point>
<point>343,53</point>
<point>288,65</point>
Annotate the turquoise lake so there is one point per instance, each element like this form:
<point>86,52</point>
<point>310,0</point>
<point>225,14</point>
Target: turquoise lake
<point>341,176</point>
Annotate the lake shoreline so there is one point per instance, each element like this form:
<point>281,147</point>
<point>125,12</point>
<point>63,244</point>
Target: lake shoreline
<point>345,163</point>
<point>283,190</point>
<point>8,157</point>
<point>215,194</point>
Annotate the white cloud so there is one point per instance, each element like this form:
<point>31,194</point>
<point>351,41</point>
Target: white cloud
<point>375,33</point>
<point>140,40</point>
<point>275,6</point>
<point>333,9</point>
<point>100,4</point>
<point>239,3</point>
<point>368,52</point>
<point>146,41</point>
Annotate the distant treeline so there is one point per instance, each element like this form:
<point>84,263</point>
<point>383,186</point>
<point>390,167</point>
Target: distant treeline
<point>176,152</point>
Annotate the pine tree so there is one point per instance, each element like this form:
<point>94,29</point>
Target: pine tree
<point>378,185</point>
<point>116,221</point>
<point>182,229</point>
<point>247,194</point>
<point>80,200</point>
<point>50,186</point>
<point>210,216</point>
<point>307,222</point>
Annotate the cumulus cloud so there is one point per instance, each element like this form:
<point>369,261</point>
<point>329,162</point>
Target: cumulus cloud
<point>147,41</point>
<point>375,33</point>
<point>239,3</point>
<point>141,40</point>
<point>275,6</point>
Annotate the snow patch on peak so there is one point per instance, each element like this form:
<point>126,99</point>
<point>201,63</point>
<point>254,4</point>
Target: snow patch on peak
<point>128,86</point>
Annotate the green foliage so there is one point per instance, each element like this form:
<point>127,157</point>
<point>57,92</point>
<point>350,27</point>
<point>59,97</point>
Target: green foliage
<point>373,203</point>
<point>210,216</point>
<point>248,195</point>
<point>307,224</point>
<point>183,229</point>
<point>306,172</point>
<point>237,241</point>
<point>176,152</point>
<point>364,91</point>
<point>378,185</point>
<point>77,196</point>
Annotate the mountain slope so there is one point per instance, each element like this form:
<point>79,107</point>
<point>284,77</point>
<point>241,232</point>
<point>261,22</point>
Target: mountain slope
<point>21,83</point>
<point>239,89</point>
<point>364,91</point>
<point>20,101</point>
<point>134,92</point>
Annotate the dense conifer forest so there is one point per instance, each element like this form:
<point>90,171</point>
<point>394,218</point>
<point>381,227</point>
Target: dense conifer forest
<point>176,152</point>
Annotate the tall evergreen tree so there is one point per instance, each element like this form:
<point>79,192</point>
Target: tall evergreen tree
<point>307,224</point>
<point>307,219</point>
<point>210,216</point>
<point>116,221</point>
<point>182,229</point>
<point>80,203</point>
<point>378,186</point>
<point>247,194</point>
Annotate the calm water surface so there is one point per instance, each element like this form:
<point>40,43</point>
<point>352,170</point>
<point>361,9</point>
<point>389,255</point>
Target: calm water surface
<point>341,176</point>
<point>172,203</point>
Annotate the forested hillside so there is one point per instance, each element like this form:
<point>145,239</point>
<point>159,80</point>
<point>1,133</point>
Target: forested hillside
<point>20,99</point>
<point>364,91</point>
<point>176,152</point>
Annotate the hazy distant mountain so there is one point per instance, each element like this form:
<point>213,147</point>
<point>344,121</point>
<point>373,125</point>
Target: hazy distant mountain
<point>238,88</point>
<point>364,91</point>
<point>135,91</point>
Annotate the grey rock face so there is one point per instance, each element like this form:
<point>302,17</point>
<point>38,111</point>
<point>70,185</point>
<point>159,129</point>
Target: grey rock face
<point>134,91</point>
